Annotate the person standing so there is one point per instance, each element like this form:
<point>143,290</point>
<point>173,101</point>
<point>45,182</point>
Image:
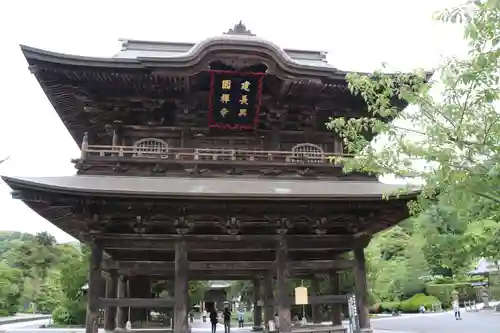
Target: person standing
<point>456,309</point>
<point>241,318</point>
<point>227,320</point>
<point>213,319</point>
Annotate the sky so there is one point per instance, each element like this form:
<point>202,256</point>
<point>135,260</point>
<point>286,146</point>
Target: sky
<point>359,35</point>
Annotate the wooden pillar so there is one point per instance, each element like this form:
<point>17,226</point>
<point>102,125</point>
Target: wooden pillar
<point>316,314</point>
<point>94,288</point>
<point>121,313</point>
<point>268,300</point>
<point>282,276</point>
<point>361,289</point>
<point>181,288</point>
<point>111,292</point>
<point>336,313</point>
<point>257,308</point>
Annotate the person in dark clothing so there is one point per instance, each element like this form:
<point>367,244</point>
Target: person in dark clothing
<point>213,320</point>
<point>227,320</point>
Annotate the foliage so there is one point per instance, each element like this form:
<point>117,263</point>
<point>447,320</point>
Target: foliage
<point>10,291</point>
<point>483,239</point>
<point>197,290</point>
<point>466,292</point>
<point>449,138</point>
<point>444,232</point>
<point>413,304</point>
<point>48,298</point>
<point>396,264</point>
<point>70,313</point>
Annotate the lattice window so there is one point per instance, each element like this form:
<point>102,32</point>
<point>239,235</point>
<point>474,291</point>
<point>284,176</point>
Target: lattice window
<point>313,153</point>
<point>150,146</point>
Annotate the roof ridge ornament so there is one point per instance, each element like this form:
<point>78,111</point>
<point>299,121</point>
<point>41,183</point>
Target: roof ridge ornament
<point>239,29</point>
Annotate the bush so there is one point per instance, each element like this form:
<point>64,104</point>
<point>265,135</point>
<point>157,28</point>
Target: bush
<point>388,307</point>
<point>444,292</point>
<point>70,313</point>
<point>412,305</point>
<point>443,280</point>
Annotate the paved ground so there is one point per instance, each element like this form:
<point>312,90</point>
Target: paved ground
<point>21,315</point>
<point>481,322</point>
<point>27,326</point>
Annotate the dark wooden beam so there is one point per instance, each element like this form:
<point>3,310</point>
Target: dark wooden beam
<point>224,255</point>
<point>221,266</point>
<point>145,303</point>
<point>224,242</point>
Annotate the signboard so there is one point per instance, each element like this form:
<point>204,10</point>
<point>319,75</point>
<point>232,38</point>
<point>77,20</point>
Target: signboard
<point>353,315</point>
<point>301,296</point>
<point>235,99</point>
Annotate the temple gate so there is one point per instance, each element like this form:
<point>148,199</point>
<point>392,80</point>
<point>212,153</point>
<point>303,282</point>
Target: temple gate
<point>208,161</point>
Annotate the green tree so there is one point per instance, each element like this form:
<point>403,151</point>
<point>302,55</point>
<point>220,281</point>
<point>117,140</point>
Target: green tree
<point>483,239</point>
<point>72,277</point>
<point>444,233</point>
<point>197,290</point>
<point>243,289</point>
<point>453,130</point>
<point>10,289</point>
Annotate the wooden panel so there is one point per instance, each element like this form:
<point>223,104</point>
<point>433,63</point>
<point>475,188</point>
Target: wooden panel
<point>136,302</point>
<point>229,142</point>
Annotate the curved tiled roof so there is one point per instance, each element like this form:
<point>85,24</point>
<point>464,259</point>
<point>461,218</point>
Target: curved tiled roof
<point>207,187</point>
<point>141,54</point>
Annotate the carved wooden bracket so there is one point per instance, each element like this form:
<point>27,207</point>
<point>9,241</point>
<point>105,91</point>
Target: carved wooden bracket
<point>306,172</point>
<point>158,169</point>
<point>271,172</point>
<point>95,225</point>
<point>282,225</point>
<point>231,225</point>
<point>320,226</point>
<point>139,226</point>
<point>119,168</point>
<point>195,170</point>
<point>234,172</point>
<point>182,225</point>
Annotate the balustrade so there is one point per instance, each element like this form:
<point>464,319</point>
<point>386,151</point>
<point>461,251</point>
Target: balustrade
<point>212,154</point>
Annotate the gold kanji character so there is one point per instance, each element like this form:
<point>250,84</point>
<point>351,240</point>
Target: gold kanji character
<point>226,84</point>
<point>244,99</point>
<point>225,98</point>
<point>245,86</point>
<point>224,112</point>
<point>243,113</point>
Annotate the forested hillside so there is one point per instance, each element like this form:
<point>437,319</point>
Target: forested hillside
<point>37,274</point>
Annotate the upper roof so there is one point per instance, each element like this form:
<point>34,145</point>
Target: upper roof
<point>238,40</point>
<point>134,49</point>
<point>207,187</point>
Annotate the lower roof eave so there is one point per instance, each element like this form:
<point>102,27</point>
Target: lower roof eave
<point>212,188</point>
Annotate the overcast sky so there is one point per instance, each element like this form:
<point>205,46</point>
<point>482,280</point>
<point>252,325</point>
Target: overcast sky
<point>358,35</point>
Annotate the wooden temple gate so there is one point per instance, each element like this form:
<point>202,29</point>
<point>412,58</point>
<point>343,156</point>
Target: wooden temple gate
<point>205,162</point>
<point>263,274</point>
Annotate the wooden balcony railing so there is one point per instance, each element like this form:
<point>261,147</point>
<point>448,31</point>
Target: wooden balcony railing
<point>213,154</point>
